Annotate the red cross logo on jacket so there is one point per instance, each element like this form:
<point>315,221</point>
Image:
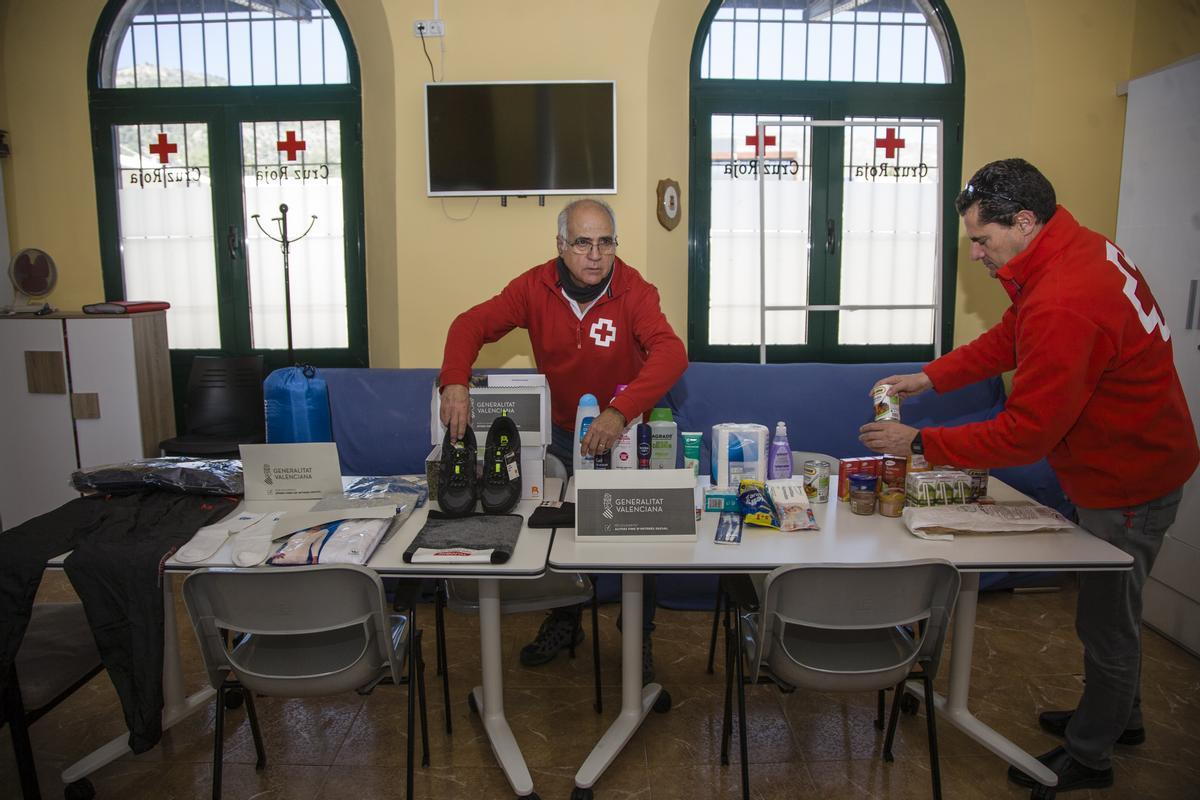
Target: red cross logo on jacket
<point>603,332</point>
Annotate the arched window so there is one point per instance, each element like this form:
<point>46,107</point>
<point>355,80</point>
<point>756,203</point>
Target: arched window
<point>207,117</point>
<point>861,155</point>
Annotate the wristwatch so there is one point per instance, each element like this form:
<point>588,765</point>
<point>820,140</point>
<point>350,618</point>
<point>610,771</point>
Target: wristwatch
<point>917,446</point>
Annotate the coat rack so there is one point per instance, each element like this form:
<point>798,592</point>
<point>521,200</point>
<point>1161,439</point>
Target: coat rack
<point>285,245</point>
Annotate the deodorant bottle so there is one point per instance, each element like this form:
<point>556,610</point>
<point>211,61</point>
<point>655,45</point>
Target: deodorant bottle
<point>588,410</point>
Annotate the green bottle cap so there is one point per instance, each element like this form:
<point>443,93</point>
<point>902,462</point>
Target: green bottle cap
<point>661,415</point>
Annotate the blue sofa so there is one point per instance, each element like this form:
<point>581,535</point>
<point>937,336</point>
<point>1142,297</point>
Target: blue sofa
<point>381,425</point>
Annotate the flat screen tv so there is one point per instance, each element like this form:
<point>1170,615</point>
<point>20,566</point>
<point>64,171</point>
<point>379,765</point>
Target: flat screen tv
<point>521,138</point>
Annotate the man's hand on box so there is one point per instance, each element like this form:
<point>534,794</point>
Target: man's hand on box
<point>603,433</point>
<point>456,409</point>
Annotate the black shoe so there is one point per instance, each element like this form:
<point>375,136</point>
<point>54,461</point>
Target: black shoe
<point>1071,774</point>
<point>647,660</point>
<point>560,631</point>
<point>1055,723</point>
<point>458,488</point>
<point>500,487</point>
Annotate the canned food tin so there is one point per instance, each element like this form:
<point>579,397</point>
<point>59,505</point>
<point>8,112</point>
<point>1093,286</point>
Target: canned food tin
<point>887,406</point>
<point>816,480</point>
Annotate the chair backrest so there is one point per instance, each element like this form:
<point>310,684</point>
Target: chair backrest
<point>314,630</point>
<point>225,396</point>
<point>800,456</point>
<point>855,598</point>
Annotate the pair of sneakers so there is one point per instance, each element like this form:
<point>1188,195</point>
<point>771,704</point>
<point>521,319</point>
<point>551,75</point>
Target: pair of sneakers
<point>499,488</point>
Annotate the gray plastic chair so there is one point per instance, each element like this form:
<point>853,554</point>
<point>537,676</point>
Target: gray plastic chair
<point>552,590</point>
<point>798,459</point>
<point>57,656</point>
<point>310,631</point>
<point>845,628</point>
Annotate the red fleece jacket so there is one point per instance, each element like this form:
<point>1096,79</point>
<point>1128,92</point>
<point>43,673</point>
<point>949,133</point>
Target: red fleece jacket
<point>623,338</point>
<point>1095,388</point>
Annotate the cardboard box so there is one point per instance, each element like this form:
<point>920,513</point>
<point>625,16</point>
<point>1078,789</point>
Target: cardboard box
<point>528,405</point>
<point>532,472</point>
<point>625,505</point>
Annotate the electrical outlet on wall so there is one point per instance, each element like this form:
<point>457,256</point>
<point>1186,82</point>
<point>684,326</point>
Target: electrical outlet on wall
<point>429,28</point>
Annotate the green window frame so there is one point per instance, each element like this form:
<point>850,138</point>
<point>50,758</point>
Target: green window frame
<point>223,109</point>
<point>844,99</point>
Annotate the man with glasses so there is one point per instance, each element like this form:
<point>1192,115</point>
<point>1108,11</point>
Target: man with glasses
<point>1096,392</point>
<point>594,323</point>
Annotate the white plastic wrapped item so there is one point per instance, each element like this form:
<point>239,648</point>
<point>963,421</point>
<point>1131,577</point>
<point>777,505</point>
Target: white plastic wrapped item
<point>943,522</point>
<point>791,504</point>
<point>739,450</point>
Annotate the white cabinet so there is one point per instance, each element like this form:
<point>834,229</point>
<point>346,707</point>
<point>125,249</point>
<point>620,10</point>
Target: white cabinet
<point>77,391</point>
<point>1158,227</point>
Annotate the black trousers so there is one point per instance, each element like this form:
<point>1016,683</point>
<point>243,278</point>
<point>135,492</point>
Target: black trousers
<point>118,544</point>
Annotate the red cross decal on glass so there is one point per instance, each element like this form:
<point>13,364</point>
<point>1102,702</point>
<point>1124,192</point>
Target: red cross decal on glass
<point>163,149</point>
<point>291,145</point>
<point>890,143</point>
<point>753,140</point>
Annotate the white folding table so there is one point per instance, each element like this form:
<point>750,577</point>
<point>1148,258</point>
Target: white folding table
<point>843,538</point>
<point>528,561</point>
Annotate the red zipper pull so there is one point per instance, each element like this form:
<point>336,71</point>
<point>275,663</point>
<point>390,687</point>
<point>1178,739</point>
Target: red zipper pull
<point>1129,515</point>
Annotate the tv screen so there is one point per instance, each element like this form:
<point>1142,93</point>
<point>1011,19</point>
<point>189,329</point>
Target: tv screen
<point>521,138</point>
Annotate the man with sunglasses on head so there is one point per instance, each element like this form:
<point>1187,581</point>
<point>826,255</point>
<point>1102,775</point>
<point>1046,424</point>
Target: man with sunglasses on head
<point>594,323</point>
<point>1096,392</point>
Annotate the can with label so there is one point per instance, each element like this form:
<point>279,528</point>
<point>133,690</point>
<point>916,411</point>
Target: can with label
<point>892,473</point>
<point>816,480</point>
<point>887,406</point>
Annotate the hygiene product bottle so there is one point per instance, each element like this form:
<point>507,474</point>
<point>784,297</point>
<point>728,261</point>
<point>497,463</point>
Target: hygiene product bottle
<point>780,463</point>
<point>663,433</point>
<point>624,451</point>
<point>643,446</point>
<point>588,410</point>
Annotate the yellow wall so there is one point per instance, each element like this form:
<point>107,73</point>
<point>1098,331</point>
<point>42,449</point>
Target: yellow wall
<point>1041,83</point>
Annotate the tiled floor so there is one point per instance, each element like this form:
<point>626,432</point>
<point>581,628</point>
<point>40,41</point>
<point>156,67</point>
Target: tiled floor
<point>801,745</point>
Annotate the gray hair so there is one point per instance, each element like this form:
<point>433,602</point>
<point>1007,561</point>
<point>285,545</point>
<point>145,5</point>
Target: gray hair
<point>571,206</point>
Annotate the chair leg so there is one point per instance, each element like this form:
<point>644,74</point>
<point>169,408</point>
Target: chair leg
<point>218,741</point>
<point>421,701</point>
<point>879,710</point>
<point>741,686</point>
<point>411,743</point>
<point>935,770</point>
<point>892,719</point>
<point>599,706</point>
<point>443,666</point>
<point>252,715</point>
<point>727,717</point>
<point>712,639</point>
<point>439,607</point>
<point>14,713</point>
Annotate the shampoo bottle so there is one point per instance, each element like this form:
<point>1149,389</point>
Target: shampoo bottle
<point>588,410</point>
<point>780,463</point>
<point>663,433</point>
<point>624,451</point>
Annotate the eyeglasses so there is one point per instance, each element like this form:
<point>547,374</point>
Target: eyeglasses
<point>605,245</point>
<point>971,190</point>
